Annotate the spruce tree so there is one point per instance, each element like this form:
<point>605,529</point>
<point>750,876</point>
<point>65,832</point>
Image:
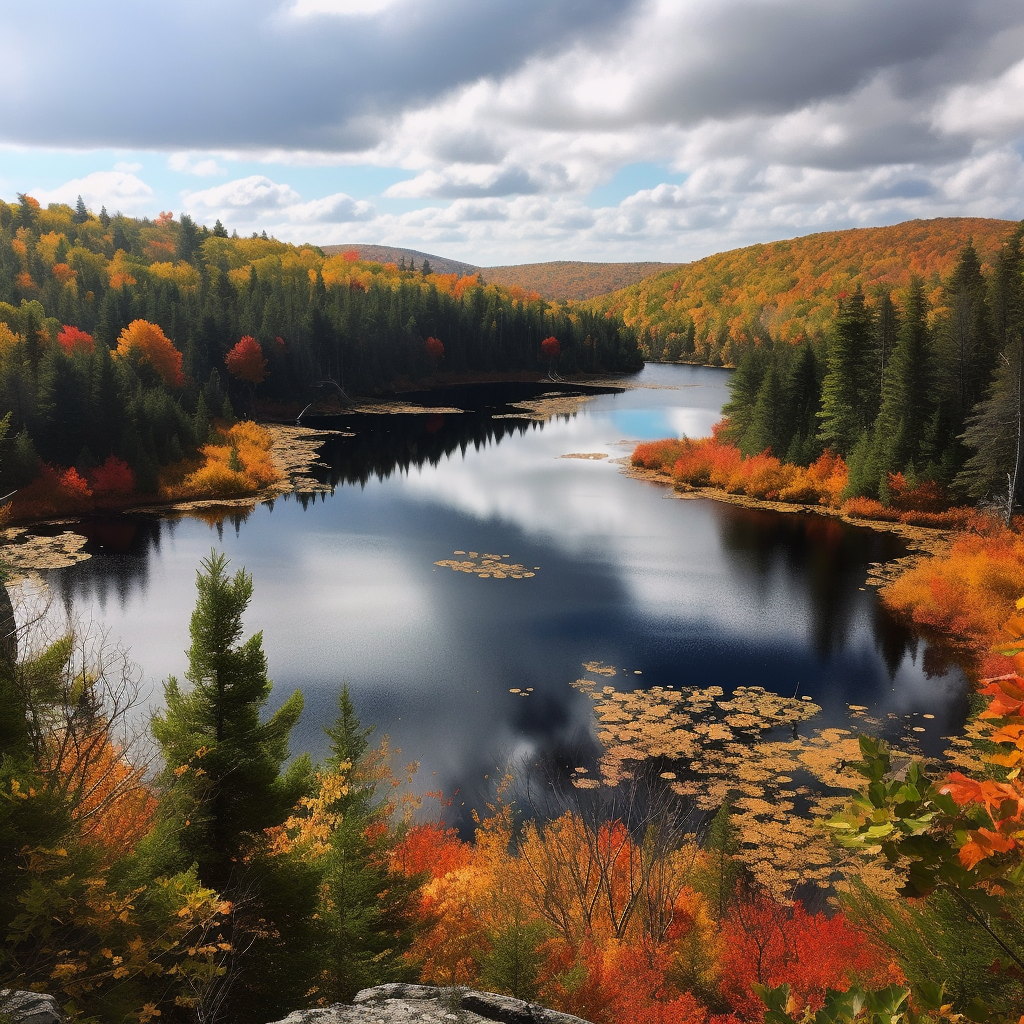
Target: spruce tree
<point>848,381</point>
<point>224,765</point>
<point>903,420</point>
<point>367,911</point>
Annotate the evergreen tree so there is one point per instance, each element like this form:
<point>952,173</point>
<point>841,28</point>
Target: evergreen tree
<point>803,399</point>
<point>81,214</point>
<point>224,766</point>
<point>907,404</point>
<point>848,384</point>
<point>768,428</point>
<point>367,913</point>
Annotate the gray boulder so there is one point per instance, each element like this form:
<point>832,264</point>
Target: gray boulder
<point>30,1007</point>
<point>427,1004</point>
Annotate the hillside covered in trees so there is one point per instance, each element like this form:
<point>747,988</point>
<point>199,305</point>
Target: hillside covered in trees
<point>555,280</point>
<point>712,310</point>
<point>122,339</point>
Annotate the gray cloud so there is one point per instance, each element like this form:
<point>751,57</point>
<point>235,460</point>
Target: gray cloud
<point>248,74</point>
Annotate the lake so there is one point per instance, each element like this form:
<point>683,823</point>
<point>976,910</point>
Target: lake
<point>667,592</point>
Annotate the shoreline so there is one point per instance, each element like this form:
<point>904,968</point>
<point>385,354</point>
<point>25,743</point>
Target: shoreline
<point>294,451</point>
<point>923,541</point>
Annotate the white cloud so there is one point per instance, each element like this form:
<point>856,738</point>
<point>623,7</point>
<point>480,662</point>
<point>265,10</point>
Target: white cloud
<point>127,167</point>
<point>336,209</point>
<point>254,194</point>
<point>995,108</point>
<point>190,163</point>
<point>117,190</point>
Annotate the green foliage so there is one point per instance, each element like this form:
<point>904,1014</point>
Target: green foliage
<point>224,766</point>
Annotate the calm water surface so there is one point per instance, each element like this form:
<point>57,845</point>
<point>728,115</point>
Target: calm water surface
<point>687,593</point>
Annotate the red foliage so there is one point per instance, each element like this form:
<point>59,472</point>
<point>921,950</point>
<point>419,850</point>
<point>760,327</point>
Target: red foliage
<point>350,256</point>
<point>114,477</point>
<point>72,340</point>
<point>550,348</point>
<point>245,361</point>
<point>431,849</point>
<point>768,943</point>
<point>434,348</point>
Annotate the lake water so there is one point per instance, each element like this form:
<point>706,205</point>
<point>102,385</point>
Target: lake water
<point>669,592</point>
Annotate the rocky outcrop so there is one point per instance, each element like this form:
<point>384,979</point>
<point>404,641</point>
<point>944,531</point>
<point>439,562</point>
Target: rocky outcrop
<point>29,1007</point>
<point>426,1004</point>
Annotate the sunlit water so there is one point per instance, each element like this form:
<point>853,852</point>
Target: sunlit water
<point>670,592</point>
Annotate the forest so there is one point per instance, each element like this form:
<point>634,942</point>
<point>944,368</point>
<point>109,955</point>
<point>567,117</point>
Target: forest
<point>714,310</point>
<point>128,346</point>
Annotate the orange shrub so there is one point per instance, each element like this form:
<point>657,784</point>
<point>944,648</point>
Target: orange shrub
<point>968,592</point>
<point>54,492</point>
<point>661,455</point>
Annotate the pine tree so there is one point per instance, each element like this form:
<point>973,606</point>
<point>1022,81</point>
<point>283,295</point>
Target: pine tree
<point>767,429</point>
<point>848,384</point>
<point>224,766</point>
<point>367,912</point>
<point>907,404</point>
<point>81,214</point>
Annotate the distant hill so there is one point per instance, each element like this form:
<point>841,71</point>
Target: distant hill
<point>570,279</point>
<point>393,254</point>
<point>557,280</point>
<point>791,289</point>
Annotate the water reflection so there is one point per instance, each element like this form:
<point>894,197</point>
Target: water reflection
<point>684,592</point>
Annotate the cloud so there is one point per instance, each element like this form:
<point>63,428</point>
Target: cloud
<point>254,194</point>
<point>190,163</point>
<point>336,209</point>
<point>784,116</point>
<point>458,181</point>
<point>117,190</point>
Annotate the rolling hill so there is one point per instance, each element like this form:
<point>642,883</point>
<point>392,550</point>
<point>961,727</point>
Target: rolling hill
<point>557,280</point>
<point>790,289</point>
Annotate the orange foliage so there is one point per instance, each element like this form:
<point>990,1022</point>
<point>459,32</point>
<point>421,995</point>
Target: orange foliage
<point>245,361</point>
<point>792,287</point>
<point>431,849</point>
<point>64,274</point>
<point>25,282</point>
<point>72,340</point>
<point>550,348</point>
<point>164,219</point>
<point>712,462</point>
<point>434,348</point>
<point>149,344</point>
<point>115,807</point>
<point>245,442</point>
<point>969,590</point>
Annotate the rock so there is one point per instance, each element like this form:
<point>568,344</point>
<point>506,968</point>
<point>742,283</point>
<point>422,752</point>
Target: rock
<point>427,1004</point>
<point>30,1007</point>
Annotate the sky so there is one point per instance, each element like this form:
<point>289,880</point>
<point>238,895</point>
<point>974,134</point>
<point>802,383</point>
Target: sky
<point>512,131</point>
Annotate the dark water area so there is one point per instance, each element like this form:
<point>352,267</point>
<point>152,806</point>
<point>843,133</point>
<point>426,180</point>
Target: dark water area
<point>669,592</point>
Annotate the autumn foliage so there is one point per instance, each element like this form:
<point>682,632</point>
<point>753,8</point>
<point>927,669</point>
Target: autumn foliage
<point>589,919</point>
<point>148,343</point>
<point>434,348</point>
<point>791,288</point>
<point>245,361</point>
<point>72,340</point>
<point>550,348</point>
<point>967,591</point>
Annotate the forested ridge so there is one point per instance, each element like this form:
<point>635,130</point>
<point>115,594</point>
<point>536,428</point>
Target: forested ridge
<point>714,309</point>
<point>124,339</point>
